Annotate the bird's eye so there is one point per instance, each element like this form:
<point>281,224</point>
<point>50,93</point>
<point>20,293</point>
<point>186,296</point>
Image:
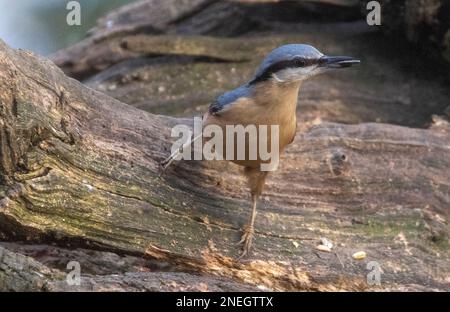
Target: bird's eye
<point>300,62</point>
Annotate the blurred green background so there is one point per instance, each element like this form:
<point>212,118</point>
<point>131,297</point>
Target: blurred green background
<point>40,25</point>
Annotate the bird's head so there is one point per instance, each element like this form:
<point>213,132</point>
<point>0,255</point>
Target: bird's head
<point>296,62</point>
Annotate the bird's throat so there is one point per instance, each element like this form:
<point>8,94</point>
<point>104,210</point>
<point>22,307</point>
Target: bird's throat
<point>278,97</point>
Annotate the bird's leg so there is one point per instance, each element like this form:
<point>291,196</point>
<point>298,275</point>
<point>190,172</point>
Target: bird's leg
<point>256,180</point>
<point>247,236</point>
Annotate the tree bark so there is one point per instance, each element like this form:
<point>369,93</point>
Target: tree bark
<point>425,24</point>
<point>80,168</point>
<point>21,272</point>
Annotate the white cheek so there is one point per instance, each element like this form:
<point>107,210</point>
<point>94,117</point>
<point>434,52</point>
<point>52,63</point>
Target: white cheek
<point>294,74</point>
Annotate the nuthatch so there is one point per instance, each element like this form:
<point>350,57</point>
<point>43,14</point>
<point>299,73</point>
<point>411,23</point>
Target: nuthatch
<point>270,98</point>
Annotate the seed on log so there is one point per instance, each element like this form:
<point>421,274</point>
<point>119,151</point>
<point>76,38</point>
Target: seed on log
<point>360,255</point>
<point>323,248</point>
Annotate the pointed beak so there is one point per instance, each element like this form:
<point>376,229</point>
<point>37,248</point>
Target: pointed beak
<point>337,61</point>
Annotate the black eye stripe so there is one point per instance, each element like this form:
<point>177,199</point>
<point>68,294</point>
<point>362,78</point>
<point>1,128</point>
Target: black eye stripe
<point>299,62</point>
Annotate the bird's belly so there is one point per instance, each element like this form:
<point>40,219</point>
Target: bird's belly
<point>257,140</point>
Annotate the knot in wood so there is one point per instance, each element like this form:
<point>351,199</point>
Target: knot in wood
<point>338,163</point>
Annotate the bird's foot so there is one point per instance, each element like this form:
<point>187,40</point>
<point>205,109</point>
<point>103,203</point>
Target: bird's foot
<point>246,241</point>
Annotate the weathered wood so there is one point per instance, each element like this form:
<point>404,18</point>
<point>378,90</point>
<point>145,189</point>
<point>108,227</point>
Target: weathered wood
<point>423,23</point>
<point>44,268</point>
<point>79,167</point>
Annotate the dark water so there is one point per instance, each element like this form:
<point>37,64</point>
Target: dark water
<point>40,25</point>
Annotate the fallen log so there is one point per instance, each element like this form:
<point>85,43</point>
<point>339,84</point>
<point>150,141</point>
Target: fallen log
<point>22,272</point>
<point>79,167</point>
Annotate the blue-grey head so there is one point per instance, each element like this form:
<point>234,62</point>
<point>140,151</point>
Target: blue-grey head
<point>296,62</point>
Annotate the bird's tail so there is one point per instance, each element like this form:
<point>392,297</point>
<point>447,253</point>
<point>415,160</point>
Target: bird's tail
<point>168,161</point>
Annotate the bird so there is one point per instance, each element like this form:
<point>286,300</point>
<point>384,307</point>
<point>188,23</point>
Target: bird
<point>270,97</point>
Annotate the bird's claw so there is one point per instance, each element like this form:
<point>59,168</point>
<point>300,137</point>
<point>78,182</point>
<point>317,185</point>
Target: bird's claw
<point>246,241</point>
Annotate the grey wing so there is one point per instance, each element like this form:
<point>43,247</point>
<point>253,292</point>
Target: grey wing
<point>215,106</point>
<point>227,99</point>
